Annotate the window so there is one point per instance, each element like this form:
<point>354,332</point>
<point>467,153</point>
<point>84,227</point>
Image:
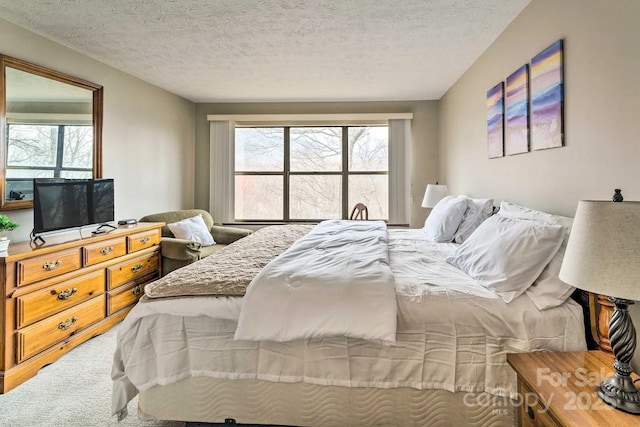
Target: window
<point>47,151</point>
<point>310,173</point>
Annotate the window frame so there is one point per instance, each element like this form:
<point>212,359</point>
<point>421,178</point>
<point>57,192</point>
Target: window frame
<point>60,145</point>
<point>286,173</point>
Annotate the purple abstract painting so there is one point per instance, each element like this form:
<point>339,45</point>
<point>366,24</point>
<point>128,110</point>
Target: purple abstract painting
<point>517,112</point>
<point>495,121</point>
<point>547,98</point>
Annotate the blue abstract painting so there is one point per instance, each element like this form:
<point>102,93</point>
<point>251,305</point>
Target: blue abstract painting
<point>517,112</point>
<point>547,98</point>
<point>495,121</point>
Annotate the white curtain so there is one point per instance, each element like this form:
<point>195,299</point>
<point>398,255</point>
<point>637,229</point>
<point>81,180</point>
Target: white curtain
<point>400,171</point>
<point>221,198</point>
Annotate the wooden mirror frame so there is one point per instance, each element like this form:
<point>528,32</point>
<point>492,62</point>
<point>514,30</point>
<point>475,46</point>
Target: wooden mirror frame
<point>18,64</point>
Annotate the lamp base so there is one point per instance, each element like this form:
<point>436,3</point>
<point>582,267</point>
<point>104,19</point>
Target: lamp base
<point>620,393</point>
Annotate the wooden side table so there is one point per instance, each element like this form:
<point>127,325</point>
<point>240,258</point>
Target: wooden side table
<point>559,389</point>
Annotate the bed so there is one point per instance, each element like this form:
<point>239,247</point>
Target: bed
<point>446,364</point>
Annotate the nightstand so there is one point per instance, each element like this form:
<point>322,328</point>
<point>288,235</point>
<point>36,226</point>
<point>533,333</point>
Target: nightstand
<point>558,389</point>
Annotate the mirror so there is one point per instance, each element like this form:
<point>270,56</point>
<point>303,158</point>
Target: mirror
<point>51,128</point>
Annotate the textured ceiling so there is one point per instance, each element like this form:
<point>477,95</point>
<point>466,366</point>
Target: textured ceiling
<point>278,50</point>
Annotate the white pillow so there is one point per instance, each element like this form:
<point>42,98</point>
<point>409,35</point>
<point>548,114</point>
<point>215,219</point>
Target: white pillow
<point>192,229</point>
<point>506,255</point>
<point>520,212</point>
<point>445,218</point>
<point>548,290</point>
<point>478,211</point>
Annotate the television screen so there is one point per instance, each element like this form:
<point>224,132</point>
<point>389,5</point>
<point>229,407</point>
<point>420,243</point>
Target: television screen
<point>66,203</point>
<point>101,210</point>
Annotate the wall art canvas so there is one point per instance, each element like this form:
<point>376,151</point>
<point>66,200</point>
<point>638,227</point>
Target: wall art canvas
<point>547,98</point>
<point>495,121</point>
<point>517,112</point>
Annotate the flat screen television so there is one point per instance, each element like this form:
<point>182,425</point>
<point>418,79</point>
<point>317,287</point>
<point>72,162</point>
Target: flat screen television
<point>60,203</point>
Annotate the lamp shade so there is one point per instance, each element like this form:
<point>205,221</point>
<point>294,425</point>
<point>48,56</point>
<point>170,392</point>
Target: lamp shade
<point>434,194</point>
<point>603,252</point>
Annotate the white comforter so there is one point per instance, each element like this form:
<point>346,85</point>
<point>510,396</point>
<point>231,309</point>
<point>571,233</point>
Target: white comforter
<point>334,281</point>
<point>451,335</point>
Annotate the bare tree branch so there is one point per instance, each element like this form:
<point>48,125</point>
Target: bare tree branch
<point>312,149</point>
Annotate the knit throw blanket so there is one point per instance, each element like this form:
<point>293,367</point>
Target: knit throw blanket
<point>229,271</point>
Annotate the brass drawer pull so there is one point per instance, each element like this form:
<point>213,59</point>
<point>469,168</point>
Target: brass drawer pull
<point>67,293</point>
<point>67,323</point>
<point>137,290</point>
<point>106,250</point>
<point>51,265</point>
<point>530,412</point>
<point>145,239</point>
<point>136,268</point>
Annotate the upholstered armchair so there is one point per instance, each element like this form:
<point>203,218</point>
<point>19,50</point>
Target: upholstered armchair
<point>177,253</point>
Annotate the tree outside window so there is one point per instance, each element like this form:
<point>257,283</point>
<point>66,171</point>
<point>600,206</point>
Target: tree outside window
<point>310,173</point>
<point>46,151</point>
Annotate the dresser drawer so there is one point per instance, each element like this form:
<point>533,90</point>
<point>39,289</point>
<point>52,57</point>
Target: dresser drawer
<point>143,240</point>
<point>103,251</point>
<point>123,296</point>
<point>39,336</point>
<point>38,305</point>
<point>119,274</point>
<point>45,266</point>
<point>532,412</point>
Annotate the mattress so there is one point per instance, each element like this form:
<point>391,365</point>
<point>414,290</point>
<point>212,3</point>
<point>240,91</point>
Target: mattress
<point>452,335</point>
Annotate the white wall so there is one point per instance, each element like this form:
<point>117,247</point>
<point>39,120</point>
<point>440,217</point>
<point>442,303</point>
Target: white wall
<point>602,111</point>
<point>148,133</point>
<point>424,133</point>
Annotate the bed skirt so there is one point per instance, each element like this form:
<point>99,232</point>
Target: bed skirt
<point>204,399</point>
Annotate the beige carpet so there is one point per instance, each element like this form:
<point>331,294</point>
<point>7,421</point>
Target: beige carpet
<point>74,391</point>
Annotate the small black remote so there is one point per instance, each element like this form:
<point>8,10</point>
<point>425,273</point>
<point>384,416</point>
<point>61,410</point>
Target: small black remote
<point>127,221</point>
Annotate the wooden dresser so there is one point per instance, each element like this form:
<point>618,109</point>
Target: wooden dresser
<point>58,295</point>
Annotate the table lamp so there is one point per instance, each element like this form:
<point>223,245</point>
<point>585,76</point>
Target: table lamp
<point>433,194</point>
<point>603,257</point>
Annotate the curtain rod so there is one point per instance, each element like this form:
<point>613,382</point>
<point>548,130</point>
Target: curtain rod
<point>308,117</point>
